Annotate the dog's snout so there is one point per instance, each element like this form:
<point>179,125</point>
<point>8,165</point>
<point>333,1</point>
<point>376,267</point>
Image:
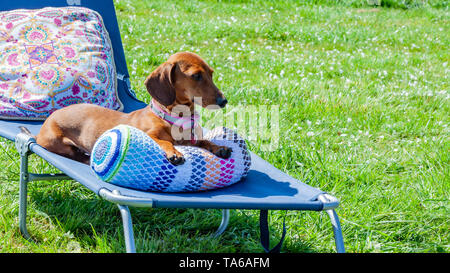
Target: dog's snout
<point>221,101</point>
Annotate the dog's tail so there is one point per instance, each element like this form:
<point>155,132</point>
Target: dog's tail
<point>26,131</point>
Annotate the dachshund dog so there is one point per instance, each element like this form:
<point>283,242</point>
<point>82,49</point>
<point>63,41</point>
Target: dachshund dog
<point>72,131</point>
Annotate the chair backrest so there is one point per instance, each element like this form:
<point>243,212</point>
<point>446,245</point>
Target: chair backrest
<point>107,11</point>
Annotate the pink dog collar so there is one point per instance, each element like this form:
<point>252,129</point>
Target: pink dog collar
<point>183,122</point>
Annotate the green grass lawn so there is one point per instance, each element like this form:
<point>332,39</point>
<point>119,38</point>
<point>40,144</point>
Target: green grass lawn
<point>364,95</point>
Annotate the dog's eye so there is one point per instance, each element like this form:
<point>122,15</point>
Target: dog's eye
<point>197,76</point>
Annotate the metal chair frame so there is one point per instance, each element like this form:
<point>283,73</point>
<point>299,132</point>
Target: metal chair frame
<point>23,142</point>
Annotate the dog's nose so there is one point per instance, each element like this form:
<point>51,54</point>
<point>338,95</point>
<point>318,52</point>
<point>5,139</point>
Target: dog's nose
<point>221,101</point>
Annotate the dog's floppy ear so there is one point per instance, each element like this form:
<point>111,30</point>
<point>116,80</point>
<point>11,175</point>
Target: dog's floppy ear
<point>160,84</point>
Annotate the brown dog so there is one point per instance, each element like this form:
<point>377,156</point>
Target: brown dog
<point>72,131</point>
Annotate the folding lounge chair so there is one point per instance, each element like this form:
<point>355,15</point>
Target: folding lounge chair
<point>265,187</point>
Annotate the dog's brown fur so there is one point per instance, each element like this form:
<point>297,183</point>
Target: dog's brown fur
<point>72,131</point>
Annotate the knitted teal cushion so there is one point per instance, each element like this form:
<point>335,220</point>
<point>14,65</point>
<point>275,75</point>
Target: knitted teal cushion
<point>127,157</point>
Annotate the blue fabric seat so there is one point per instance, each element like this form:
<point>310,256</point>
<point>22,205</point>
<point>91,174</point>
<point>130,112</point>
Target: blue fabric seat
<point>265,188</point>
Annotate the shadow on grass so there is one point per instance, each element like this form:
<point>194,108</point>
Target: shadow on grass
<point>90,217</point>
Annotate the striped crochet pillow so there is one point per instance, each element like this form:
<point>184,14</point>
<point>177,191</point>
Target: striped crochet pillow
<point>127,157</point>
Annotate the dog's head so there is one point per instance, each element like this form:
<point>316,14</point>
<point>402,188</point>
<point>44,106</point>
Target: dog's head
<point>182,78</point>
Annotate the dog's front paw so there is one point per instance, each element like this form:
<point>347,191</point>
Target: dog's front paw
<point>223,152</point>
<point>176,159</point>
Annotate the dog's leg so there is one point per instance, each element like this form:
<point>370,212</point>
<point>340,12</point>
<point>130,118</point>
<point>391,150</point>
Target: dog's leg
<point>220,151</point>
<point>75,152</point>
<point>174,156</point>
<point>80,156</point>
<point>64,147</point>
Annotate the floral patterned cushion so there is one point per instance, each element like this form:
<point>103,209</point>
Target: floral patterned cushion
<point>54,57</point>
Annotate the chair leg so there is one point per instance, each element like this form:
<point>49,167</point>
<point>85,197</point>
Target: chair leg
<point>127,229</point>
<point>224,223</point>
<point>338,238</point>
<point>23,190</point>
<point>22,142</point>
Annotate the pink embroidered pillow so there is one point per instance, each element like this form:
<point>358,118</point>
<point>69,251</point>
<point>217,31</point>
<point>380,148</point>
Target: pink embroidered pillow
<point>54,57</point>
